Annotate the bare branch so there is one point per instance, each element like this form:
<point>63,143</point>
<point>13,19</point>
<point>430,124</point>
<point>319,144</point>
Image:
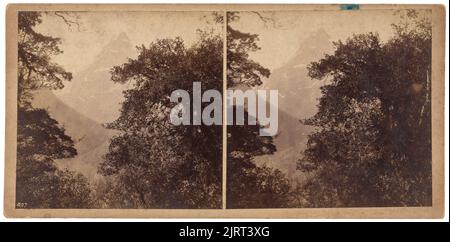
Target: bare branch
<point>266,20</point>
<point>70,22</point>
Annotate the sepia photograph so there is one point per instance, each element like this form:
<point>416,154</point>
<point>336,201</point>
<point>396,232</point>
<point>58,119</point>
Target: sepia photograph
<point>354,109</point>
<point>93,126</point>
<point>225,111</point>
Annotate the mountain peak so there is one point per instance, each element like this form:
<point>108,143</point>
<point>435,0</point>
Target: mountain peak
<point>312,48</point>
<point>123,37</point>
<point>320,34</point>
<point>113,53</point>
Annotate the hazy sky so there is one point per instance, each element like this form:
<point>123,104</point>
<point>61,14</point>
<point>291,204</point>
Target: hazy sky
<point>97,29</point>
<point>279,40</point>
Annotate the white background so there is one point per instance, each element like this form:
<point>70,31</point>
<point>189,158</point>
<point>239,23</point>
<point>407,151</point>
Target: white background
<point>2,102</point>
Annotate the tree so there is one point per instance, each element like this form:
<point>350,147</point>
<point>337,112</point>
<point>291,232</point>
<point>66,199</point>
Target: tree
<point>40,139</point>
<point>372,143</point>
<point>249,185</point>
<point>154,164</point>
<point>158,164</point>
<point>35,69</point>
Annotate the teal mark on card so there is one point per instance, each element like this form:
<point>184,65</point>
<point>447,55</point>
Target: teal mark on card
<point>349,6</point>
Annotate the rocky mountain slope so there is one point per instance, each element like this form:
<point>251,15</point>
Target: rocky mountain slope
<point>298,97</point>
<point>85,104</point>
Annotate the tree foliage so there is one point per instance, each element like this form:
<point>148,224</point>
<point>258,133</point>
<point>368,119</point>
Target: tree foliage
<point>158,164</point>
<point>154,164</point>
<point>35,68</point>
<point>249,185</point>
<point>40,139</point>
<point>372,143</point>
<point>241,70</point>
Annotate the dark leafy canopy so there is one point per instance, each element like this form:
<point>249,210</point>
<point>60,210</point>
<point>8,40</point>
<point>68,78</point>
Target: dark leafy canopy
<point>372,145</point>
<point>158,164</point>
<point>155,164</point>
<point>40,139</point>
<point>40,135</point>
<point>35,69</point>
<point>241,70</point>
<point>249,185</point>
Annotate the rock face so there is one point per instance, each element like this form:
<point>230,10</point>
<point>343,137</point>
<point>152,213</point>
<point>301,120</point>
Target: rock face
<point>90,137</point>
<point>298,97</point>
<point>90,100</point>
